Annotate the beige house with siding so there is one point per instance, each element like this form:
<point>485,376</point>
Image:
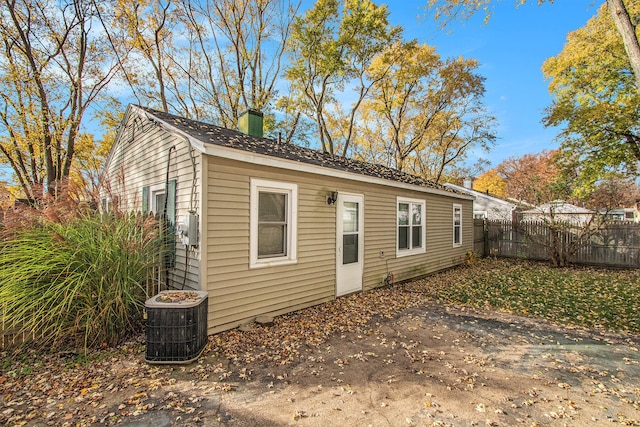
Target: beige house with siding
<point>268,227</point>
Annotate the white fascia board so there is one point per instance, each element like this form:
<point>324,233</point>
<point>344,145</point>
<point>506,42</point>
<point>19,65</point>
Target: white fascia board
<point>195,143</point>
<point>495,200</point>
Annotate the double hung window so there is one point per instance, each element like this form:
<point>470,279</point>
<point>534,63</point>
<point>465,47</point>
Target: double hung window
<point>411,226</point>
<point>273,223</point>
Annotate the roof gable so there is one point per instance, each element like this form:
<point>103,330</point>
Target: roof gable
<point>214,135</point>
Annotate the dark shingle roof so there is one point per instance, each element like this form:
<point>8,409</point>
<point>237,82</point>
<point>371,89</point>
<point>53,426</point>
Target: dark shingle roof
<point>216,135</point>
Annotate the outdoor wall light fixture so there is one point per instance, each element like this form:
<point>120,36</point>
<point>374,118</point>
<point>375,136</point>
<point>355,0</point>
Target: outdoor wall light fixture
<point>332,196</point>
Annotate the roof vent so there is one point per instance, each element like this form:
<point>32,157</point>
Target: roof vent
<point>250,123</point>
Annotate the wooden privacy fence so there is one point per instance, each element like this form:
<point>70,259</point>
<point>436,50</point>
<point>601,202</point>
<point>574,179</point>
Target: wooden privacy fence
<point>611,245</point>
<point>480,237</point>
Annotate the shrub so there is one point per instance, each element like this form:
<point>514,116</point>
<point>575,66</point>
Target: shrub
<point>80,282</point>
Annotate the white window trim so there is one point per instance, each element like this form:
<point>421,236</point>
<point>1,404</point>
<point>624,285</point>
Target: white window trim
<point>414,251</point>
<point>476,214</point>
<point>456,244</point>
<point>258,185</point>
<point>106,204</point>
<point>153,191</point>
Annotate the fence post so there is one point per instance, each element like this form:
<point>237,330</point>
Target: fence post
<point>485,237</point>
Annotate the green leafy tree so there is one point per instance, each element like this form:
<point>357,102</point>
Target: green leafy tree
<point>597,103</point>
<point>331,48</point>
<point>596,80</point>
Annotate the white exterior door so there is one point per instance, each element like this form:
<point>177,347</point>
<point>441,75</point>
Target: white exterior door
<point>349,243</point>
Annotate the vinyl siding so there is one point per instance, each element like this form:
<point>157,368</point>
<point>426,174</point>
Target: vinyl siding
<point>138,159</point>
<point>220,265</point>
<point>381,230</point>
<point>237,294</point>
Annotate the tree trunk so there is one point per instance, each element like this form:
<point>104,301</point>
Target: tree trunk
<point>621,17</point>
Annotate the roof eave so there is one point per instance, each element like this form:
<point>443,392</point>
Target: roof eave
<point>264,160</point>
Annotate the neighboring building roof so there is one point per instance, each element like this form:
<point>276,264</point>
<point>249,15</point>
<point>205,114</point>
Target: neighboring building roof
<point>223,137</point>
<point>520,203</point>
<point>560,207</point>
<point>475,193</point>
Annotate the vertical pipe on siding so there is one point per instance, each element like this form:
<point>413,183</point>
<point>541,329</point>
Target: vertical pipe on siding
<point>204,220</point>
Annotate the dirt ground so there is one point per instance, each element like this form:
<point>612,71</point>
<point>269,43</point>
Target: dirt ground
<point>436,365</point>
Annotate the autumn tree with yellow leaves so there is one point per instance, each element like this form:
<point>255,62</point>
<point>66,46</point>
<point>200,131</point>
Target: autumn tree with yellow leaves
<point>596,84</point>
<point>425,111</point>
<point>54,66</point>
<point>367,92</point>
<point>331,48</point>
<point>492,183</point>
<point>596,103</point>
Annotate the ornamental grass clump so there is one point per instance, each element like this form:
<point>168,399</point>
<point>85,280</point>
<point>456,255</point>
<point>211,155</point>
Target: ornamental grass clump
<point>81,282</point>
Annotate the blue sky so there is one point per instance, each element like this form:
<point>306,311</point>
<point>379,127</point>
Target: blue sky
<point>511,49</point>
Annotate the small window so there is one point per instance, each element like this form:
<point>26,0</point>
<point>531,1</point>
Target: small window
<point>105,205</point>
<point>273,218</point>
<point>157,198</point>
<point>457,225</point>
<point>479,214</point>
<point>410,227</point>
<point>273,223</point>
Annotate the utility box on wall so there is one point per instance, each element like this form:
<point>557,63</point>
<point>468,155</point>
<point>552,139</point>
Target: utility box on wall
<point>188,229</point>
<point>176,327</point>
